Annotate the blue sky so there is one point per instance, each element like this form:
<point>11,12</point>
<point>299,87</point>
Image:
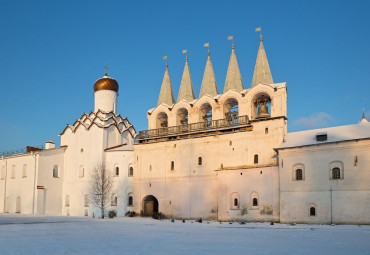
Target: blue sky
<point>51,53</point>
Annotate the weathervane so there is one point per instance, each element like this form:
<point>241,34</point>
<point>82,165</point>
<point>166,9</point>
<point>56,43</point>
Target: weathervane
<point>231,38</point>
<point>259,29</point>
<point>207,46</point>
<point>185,51</point>
<point>165,58</point>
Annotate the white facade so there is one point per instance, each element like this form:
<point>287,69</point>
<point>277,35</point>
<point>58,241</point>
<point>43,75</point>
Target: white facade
<point>222,156</point>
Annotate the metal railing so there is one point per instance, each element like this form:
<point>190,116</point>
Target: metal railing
<point>195,127</point>
<point>18,151</point>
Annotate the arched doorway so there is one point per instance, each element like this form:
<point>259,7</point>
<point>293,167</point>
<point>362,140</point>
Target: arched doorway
<point>150,205</point>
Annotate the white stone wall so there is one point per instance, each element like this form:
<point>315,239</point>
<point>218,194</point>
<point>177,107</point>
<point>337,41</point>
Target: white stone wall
<point>343,201</point>
<point>106,100</point>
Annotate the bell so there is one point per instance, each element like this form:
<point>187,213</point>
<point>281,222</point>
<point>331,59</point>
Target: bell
<point>263,111</point>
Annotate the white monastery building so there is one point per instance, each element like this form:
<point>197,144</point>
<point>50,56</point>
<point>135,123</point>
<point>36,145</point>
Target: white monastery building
<point>223,156</point>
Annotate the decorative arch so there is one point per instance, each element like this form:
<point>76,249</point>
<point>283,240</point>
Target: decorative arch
<point>182,116</point>
<point>162,120</point>
<point>259,99</point>
<point>150,205</point>
<point>230,109</point>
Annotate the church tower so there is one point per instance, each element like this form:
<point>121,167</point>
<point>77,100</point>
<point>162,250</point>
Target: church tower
<point>106,92</point>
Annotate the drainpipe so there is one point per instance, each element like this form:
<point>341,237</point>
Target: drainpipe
<point>5,180</point>
<point>34,183</point>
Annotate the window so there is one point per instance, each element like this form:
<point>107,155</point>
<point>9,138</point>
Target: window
<point>131,171</point>
<point>81,173</point>
<point>200,161</point>
<point>256,159</point>
<point>116,171</point>
<point>299,175</point>
<point>234,203</point>
<point>312,211</point>
<point>336,173</point>
<point>266,131</point>
<point>13,172</point>
<point>255,202</point>
<point>67,200</point>
<point>130,201</point>
<point>55,171</point>
<point>86,202</point>
<point>24,172</point>
<point>114,200</point>
<point>86,212</point>
<point>172,165</point>
<point>2,177</point>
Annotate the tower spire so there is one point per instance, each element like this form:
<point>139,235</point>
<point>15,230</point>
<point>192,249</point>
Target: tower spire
<point>209,85</point>
<point>166,94</point>
<point>233,76</point>
<point>262,71</point>
<point>186,87</point>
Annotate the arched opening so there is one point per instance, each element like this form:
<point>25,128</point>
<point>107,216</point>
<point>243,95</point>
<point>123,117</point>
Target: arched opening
<point>182,117</point>
<point>234,201</point>
<point>255,202</point>
<point>255,160</point>
<point>299,175</point>
<point>312,211</point>
<point>231,109</point>
<point>336,173</point>
<point>18,205</point>
<point>162,120</point>
<point>261,107</point>
<point>130,200</point>
<point>206,113</point>
<point>150,205</point>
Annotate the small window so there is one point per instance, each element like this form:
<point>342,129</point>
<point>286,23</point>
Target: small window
<point>172,165</point>
<point>114,200</point>
<point>86,202</point>
<point>130,201</point>
<point>24,172</point>
<point>312,211</point>
<point>55,171</point>
<point>81,172</point>
<point>131,171</point>
<point>299,175</point>
<point>320,137</point>
<point>13,172</point>
<point>67,200</point>
<point>256,159</point>
<point>200,161</point>
<point>255,202</point>
<point>336,173</point>
<point>236,202</point>
<point>266,131</point>
<point>116,172</point>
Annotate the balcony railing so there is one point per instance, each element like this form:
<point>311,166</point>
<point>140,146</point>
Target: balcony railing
<point>204,126</point>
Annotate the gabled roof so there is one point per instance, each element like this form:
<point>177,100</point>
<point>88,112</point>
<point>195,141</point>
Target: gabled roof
<point>334,134</point>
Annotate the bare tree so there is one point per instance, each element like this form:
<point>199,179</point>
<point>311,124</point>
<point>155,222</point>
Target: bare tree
<point>101,187</point>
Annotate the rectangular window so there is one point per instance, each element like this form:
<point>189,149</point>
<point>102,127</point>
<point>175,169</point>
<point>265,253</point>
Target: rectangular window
<point>131,171</point>
<point>200,161</point>
<point>172,165</point>
<point>55,171</point>
<point>116,172</point>
<point>24,173</point>
<point>13,172</point>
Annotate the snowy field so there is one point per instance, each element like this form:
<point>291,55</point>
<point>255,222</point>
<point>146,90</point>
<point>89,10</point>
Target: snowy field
<point>71,235</point>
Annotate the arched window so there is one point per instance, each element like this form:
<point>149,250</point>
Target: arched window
<point>130,200</point>
<point>206,113</point>
<point>299,174</point>
<point>67,200</point>
<point>256,159</point>
<point>200,161</point>
<point>312,211</point>
<point>162,120</point>
<point>86,202</point>
<point>172,165</point>
<point>234,203</point>
<point>231,110</point>
<point>116,171</point>
<point>182,117</point>
<point>114,200</point>
<point>336,173</point>
<point>131,171</point>
<point>266,131</point>
<point>255,202</point>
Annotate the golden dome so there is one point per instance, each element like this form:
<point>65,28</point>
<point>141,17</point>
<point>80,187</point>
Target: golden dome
<point>106,83</point>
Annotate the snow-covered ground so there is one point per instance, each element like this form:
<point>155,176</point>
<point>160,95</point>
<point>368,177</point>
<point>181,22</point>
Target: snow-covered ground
<point>21,234</point>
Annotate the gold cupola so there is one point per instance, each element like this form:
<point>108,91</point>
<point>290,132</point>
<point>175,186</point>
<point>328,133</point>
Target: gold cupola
<point>106,83</point>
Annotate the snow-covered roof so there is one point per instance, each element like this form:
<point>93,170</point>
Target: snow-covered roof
<point>334,134</point>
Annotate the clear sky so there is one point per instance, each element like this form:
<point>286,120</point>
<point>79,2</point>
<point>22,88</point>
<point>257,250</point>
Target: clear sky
<point>51,53</point>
